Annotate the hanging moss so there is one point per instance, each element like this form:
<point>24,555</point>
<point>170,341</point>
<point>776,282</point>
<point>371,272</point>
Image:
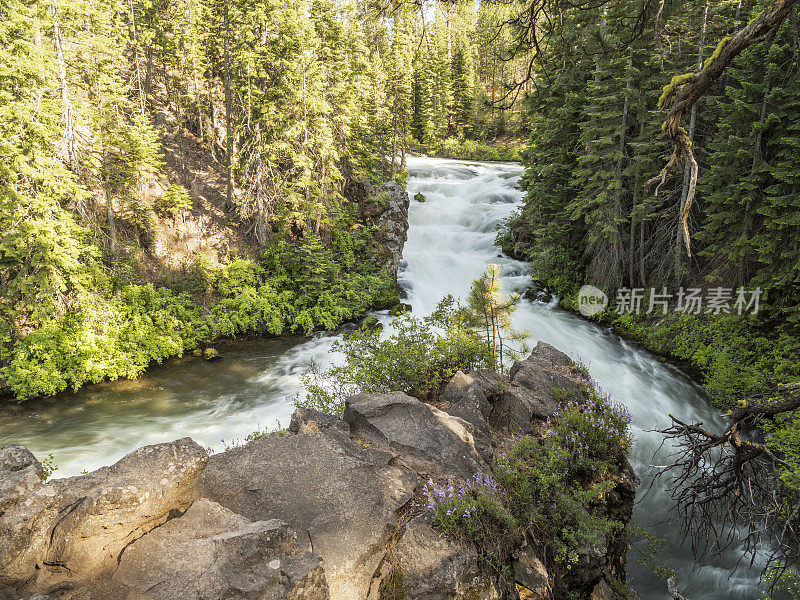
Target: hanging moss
<point>715,55</point>
<point>669,89</point>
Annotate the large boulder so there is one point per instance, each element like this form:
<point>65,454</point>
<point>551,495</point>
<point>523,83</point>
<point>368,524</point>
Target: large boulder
<point>77,527</point>
<point>424,439</point>
<point>211,552</point>
<point>430,566</point>
<point>27,508</point>
<point>473,396</point>
<point>538,386</point>
<point>338,495</point>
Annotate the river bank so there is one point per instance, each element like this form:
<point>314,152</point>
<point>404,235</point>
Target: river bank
<point>295,286</point>
<point>153,525</point>
<point>450,240</point>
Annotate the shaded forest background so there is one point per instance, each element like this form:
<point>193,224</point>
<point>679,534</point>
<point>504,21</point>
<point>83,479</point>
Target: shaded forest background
<point>596,139</point>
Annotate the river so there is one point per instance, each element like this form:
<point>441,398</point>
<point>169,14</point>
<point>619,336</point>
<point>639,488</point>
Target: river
<point>450,241</point>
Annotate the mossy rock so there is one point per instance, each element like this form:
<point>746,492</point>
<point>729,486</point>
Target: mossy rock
<point>389,299</point>
<point>197,352</point>
<point>371,323</point>
<point>419,197</point>
<point>211,355</point>
<point>400,309</point>
<point>392,588</point>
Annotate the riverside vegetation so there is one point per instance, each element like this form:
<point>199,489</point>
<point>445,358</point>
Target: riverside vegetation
<point>546,486</point>
<point>171,173</point>
<point>594,212</point>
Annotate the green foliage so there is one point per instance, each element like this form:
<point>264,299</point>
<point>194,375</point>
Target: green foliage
<point>737,356</point>
<point>549,486</point>
<point>176,199</point>
<point>491,312</point>
<point>650,548</point>
<point>784,439</point>
<point>48,467</point>
<point>468,149</point>
<point>418,359</point>
<point>121,335</point>
<point>782,584</point>
<point>330,284</point>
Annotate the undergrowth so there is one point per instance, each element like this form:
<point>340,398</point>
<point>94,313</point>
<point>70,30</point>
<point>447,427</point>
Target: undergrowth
<point>549,487</point>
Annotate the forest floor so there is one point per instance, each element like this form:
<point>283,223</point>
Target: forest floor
<point>205,233</point>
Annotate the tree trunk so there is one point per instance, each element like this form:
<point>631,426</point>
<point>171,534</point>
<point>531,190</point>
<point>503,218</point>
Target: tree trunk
<point>110,216</point>
<point>623,139</point>
<point>148,75</point>
<point>135,41</point>
<point>687,172</point>
<point>68,151</point>
<point>228,129</point>
<point>756,159</point>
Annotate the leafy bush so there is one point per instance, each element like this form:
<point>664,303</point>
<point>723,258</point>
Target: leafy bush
<point>418,359</point>
<point>593,431</point>
<point>738,356</point>
<point>466,149</point>
<point>300,287</point>
<point>331,284</point>
<point>476,511</point>
<point>548,486</point>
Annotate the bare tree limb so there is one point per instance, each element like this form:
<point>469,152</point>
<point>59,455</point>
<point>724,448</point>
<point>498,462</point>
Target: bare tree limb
<point>728,489</point>
<point>684,90</point>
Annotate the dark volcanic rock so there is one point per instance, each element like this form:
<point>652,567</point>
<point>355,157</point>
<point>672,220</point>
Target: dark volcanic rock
<point>435,567</point>
<point>211,552</point>
<point>386,208</point>
<point>538,386</point>
<point>473,396</point>
<point>530,572</point>
<point>77,527</point>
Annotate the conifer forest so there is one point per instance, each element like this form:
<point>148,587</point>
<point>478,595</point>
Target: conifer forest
<point>178,177</point>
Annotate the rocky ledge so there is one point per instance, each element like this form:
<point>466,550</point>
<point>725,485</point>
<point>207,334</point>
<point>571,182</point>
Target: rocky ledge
<point>384,207</point>
<point>330,509</point>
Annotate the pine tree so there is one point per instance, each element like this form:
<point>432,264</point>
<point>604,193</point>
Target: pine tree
<point>492,312</point>
<point>462,85</point>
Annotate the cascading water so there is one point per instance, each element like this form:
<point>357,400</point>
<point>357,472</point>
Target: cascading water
<point>450,241</point>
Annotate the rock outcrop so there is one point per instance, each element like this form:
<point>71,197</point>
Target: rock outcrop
<point>434,567</point>
<point>425,439</point>
<point>211,552</point>
<point>330,510</point>
<point>78,527</point>
<point>385,207</point>
<point>341,496</point>
<point>531,393</point>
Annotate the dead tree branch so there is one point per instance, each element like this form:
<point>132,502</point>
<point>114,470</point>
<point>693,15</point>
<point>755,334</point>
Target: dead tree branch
<point>684,90</point>
<point>728,489</point>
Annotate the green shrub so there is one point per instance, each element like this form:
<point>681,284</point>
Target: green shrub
<point>48,466</point>
<point>331,284</point>
<point>299,286</point>
<point>175,200</point>
<point>418,359</point>
<point>547,486</point>
<point>468,149</point>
